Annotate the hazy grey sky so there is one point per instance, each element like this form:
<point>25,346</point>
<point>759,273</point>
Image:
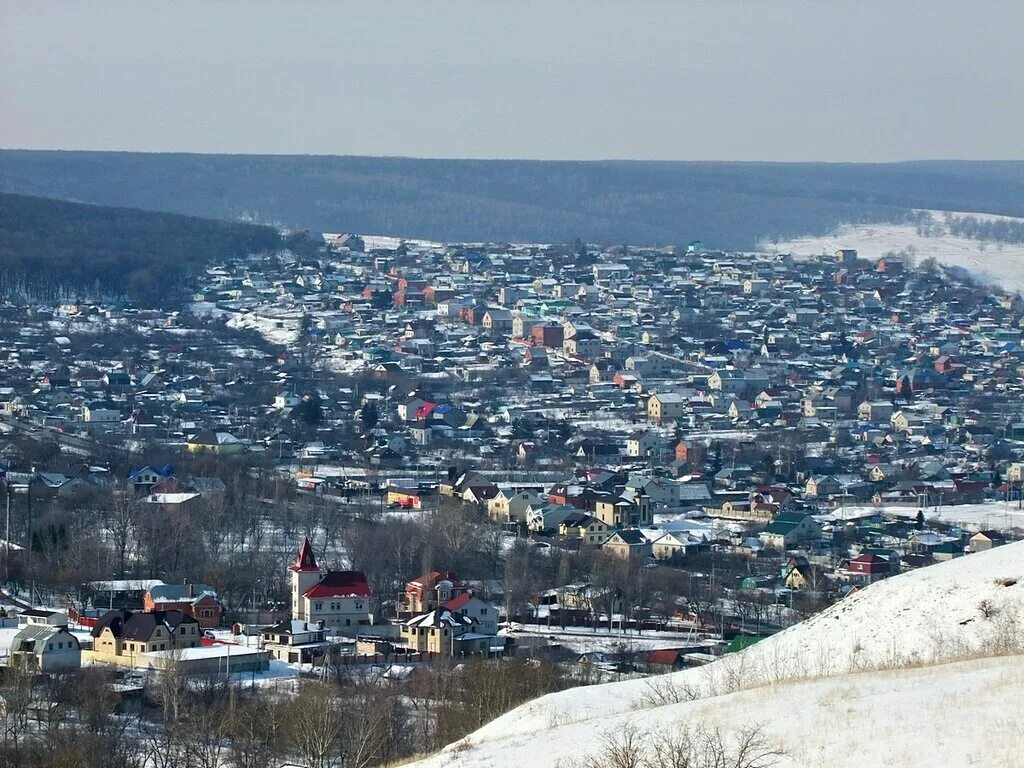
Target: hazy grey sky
<point>728,79</point>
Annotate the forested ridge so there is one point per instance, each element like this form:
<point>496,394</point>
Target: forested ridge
<point>52,249</point>
<point>726,205</point>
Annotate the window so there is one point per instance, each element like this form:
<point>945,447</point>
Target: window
<point>182,631</point>
<point>483,611</point>
<point>318,606</point>
<point>163,646</point>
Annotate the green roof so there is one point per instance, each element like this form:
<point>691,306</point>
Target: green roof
<point>740,642</point>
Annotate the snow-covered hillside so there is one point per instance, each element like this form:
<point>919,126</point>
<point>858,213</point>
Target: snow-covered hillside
<point>996,263</point>
<point>864,671</point>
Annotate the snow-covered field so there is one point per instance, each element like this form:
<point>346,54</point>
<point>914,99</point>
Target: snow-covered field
<point>1000,264</point>
<point>589,640</point>
<point>994,515</point>
<point>860,683</point>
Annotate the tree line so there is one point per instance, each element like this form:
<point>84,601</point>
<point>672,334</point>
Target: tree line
<point>53,250</point>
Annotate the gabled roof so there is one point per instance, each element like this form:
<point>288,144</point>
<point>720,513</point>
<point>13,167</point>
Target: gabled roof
<point>430,580</point>
<point>293,627</point>
<point>459,601</point>
<point>176,593</point>
<point>340,584</point>
<point>127,625</point>
<point>440,617</point>
<point>630,536</point>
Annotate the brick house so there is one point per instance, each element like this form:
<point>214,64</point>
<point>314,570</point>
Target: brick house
<point>199,601</point>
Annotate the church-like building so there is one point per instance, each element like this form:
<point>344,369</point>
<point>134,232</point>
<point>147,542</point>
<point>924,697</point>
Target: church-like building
<point>339,599</point>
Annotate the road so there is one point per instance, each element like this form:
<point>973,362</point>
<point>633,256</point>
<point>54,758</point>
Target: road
<point>73,443</point>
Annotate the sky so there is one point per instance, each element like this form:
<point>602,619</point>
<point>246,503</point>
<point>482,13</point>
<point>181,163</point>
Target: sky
<point>864,80</point>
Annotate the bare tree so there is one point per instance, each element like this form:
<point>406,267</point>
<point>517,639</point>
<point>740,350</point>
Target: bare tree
<point>313,726</point>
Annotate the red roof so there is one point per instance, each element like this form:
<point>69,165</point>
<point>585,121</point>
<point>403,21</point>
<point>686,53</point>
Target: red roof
<point>457,602</point>
<point>305,560</point>
<point>425,410</point>
<point>340,584</point>
<point>429,581</point>
<point>868,564</point>
<point>666,656</point>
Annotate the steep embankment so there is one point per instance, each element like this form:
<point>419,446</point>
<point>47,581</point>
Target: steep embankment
<point>923,667</point>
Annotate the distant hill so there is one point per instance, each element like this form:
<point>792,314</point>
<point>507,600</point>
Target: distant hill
<point>726,205</point>
<point>52,248</point>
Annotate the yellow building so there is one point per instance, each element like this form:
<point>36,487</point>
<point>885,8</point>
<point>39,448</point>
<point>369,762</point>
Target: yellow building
<point>215,442</point>
<point>444,633</point>
<point>121,635</point>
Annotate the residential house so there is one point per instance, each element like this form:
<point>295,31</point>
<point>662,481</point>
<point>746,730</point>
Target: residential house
<point>223,443</point>
<point>666,406</point>
<point>445,632</point>
<point>294,642</point>
<point>627,544</point>
<point>587,528</point>
<point>45,648</point>
<point>507,506</point>
<point>199,601</point>
<point>674,546</point>
<point>429,591</point>
<point>788,529</point>
<point>983,541</point>
<point>339,599</point>
<point>120,633</point>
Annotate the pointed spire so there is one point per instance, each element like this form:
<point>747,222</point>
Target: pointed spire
<point>305,560</point>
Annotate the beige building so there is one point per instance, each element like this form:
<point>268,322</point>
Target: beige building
<point>511,507</point>
<point>589,529</point>
<point>126,634</point>
<point>445,633</point>
<point>628,544</point>
<point>666,407</point>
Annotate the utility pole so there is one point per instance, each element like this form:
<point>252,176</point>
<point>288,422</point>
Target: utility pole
<point>7,534</point>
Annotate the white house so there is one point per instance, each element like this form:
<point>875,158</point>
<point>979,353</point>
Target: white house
<point>46,648</point>
<point>101,413</point>
<point>339,599</point>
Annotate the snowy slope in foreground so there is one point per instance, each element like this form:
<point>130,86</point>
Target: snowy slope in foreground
<point>972,606</point>
<point>967,713</point>
<point>999,264</point>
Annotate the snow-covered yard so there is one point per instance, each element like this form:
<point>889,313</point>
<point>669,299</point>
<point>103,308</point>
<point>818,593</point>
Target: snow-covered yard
<point>994,515</point>
<point>603,640</point>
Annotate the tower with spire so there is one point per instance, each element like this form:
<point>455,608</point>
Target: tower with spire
<point>305,575</point>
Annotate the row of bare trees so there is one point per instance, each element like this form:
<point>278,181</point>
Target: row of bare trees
<point>358,719</point>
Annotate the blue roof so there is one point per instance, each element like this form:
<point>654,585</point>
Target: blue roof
<point>165,471</point>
